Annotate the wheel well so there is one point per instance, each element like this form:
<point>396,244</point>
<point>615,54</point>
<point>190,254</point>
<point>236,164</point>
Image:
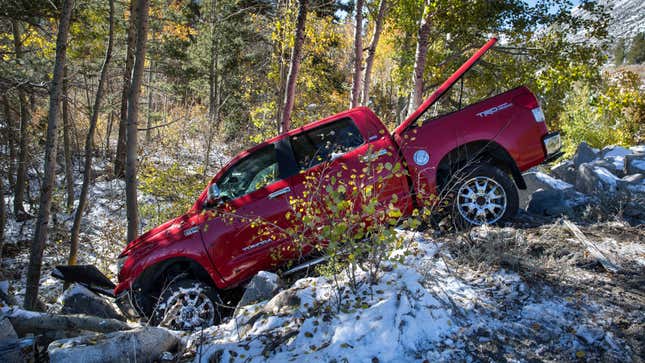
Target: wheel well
<point>151,282</point>
<point>483,150</point>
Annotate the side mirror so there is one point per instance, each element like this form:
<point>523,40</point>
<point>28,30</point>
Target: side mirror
<point>213,196</point>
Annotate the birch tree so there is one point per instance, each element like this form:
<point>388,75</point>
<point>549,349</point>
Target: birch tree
<point>371,51</point>
<point>358,54</point>
<point>294,67</point>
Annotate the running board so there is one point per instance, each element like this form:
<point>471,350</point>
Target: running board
<point>306,265</point>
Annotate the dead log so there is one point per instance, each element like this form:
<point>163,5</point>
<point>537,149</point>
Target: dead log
<point>592,248</point>
<point>26,322</point>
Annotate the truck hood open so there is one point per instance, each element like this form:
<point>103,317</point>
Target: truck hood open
<point>444,87</point>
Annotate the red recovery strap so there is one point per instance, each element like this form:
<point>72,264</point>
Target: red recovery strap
<point>445,86</point>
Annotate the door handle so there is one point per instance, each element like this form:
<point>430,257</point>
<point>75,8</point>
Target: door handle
<point>279,192</point>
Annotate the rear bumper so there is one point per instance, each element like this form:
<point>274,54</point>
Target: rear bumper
<point>552,146</point>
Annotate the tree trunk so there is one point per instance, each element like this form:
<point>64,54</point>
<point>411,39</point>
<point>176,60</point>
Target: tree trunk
<point>150,94</point>
<point>69,176</point>
<point>294,67</point>
<point>420,57</point>
<point>42,224</point>
<point>89,142</point>
<point>133,109</point>
<point>214,88</point>
<point>11,140</point>
<point>25,116</point>
<point>3,220</point>
<point>371,51</point>
<point>358,54</point>
<point>119,160</point>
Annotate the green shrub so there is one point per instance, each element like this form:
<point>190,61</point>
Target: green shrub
<point>612,113</point>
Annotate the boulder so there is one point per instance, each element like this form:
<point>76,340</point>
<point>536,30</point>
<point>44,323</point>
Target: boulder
<point>595,179</point>
<point>635,164</point>
<point>565,171</point>
<point>263,286</point>
<point>285,303</point>
<point>145,344</point>
<point>633,185</point>
<point>615,168</point>
<point>6,329</point>
<point>19,350</point>
<point>584,154</point>
<point>537,181</point>
<point>79,300</point>
<point>548,203</point>
<point>615,156</point>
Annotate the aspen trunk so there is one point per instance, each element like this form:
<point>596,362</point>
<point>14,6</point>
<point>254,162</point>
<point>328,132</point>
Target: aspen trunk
<point>42,224</point>
<point>294,67</point>
<point>420,57</point>
<point>69,177</point>
<point>89,142</point>
<point>358,54</point>
<point>119,160</point>
<point>11,140</point>
<point>371,51</point>
<point>25,120</point>
<point>133,115</point>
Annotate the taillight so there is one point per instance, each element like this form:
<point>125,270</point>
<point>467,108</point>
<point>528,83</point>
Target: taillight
<point>538,115</point>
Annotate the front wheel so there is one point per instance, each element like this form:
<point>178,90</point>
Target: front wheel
<point>187,305</point>
<point>484,194</point>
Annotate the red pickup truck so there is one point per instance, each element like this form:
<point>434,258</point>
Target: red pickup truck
<point>174,273</point>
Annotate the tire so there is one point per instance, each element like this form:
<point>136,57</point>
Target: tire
<point>187,304</point>
<point>483,194</point>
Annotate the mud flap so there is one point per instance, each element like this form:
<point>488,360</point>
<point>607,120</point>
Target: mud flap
<point>85,275</point>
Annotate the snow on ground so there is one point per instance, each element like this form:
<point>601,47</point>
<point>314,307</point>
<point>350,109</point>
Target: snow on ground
<point>421,310</point>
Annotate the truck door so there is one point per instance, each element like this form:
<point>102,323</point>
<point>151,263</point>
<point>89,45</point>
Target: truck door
<point>338,151</point>
<point>241,233</point>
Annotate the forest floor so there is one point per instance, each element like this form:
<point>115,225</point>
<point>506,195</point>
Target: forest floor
<point>530,291</point>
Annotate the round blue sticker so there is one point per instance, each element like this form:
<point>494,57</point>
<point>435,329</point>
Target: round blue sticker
<point>421,157</point>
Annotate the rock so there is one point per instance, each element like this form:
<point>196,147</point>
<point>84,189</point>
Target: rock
<point>286,302</point>
<point>79,300</point>
<point>589,334</point>
<point>615,168</point>
<point>614,151</point>
<point>595,180</point>
<point>565,171</point>
<point>145,344</point>
<point>584,154</point>
<point>633,185</point>
<point>548,203</point>
<point>536,181</point>
<point>263,286</point>
<point>6,329</point>
<point>18,350</point>
<point>635,164</point>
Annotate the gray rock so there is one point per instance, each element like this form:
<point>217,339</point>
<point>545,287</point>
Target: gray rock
<point>584,154</point>
<point>565,171</point>
<point>6,329</point>
<point>548,203</point>
<point>615,168</point>
<point>536,181</point>
<point>614,150</point>
<point>633,185</point>
<point>17,350</point>
<point>285,303</point>
<point>263,286</point>
<point>595,180</point>
<point>79,300</point>
<point>635,164</point>
<point>145,344</point>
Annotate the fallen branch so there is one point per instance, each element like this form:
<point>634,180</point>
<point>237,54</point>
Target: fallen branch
<point>25,322</point>
<point>593,249</point>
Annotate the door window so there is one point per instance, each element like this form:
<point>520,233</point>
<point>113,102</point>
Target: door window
<point>250,174</point>
<point>323,143</point>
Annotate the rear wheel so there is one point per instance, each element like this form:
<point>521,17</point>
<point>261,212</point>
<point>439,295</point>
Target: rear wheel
<point>187,304</point>
<point>483,194</point>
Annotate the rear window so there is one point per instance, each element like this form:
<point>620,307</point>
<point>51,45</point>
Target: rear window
<point>322,143</point>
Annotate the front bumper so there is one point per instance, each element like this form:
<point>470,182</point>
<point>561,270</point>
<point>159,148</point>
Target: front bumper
<point>552,146</point>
